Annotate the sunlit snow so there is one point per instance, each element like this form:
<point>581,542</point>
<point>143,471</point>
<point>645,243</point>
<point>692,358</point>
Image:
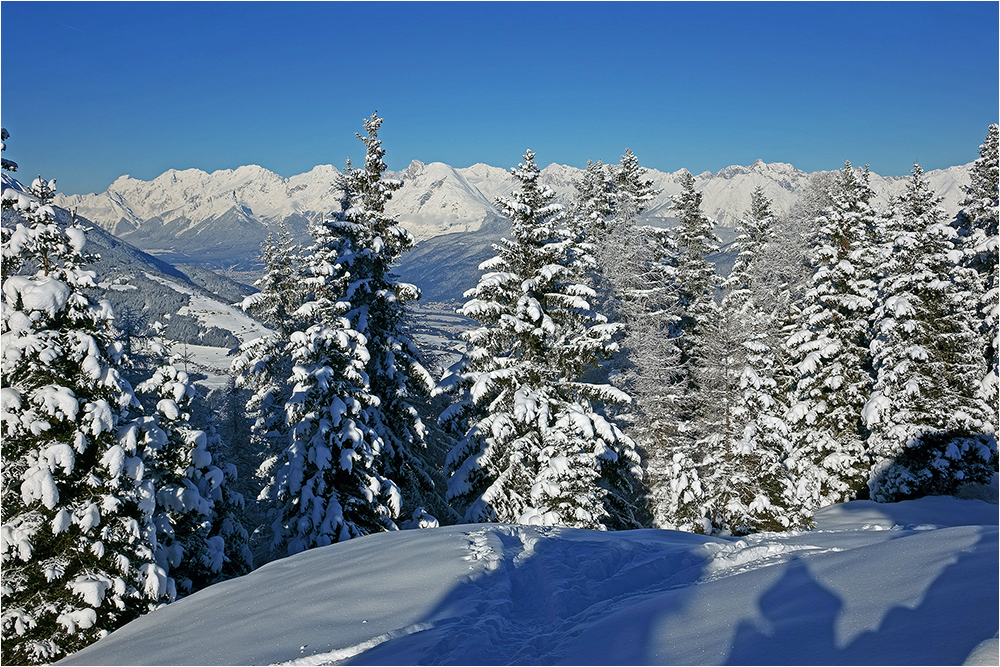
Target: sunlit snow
<point>907,583</point>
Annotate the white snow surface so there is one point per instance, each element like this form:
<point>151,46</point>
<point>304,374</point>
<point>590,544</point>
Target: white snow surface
<point>907,583</point>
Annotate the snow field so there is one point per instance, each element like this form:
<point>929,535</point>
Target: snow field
<point>213,313</point>
<point>213,361</point>
<point>907,583</point>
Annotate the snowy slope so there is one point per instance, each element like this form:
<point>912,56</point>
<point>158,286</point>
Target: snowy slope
<point>220,219</point>
<point>213,312</point>
<point>910,583</point>
<point>212,362</point>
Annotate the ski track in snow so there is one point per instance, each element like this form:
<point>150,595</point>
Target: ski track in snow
<point>339,655</point>
<point>537,595</point>
<point>538,601</point>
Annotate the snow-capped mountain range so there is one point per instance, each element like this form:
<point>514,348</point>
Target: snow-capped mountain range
<point>220,219</point>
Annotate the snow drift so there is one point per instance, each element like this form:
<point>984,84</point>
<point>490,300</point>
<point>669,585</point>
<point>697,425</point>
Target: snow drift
<point>907,583</point>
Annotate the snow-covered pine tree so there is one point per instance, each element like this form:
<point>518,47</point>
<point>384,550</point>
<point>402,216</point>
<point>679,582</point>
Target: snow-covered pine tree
<point>326,482</point>
<point>785,271</point>
<point>608,204</point>
<point>628,259</point>
<point>978,224</point>
<point>200,537</point>
<point>632,190</point>
<point>683,504</point>
<point>592,212</point>
<point>829,459</point>
<point>696,276</point>
<point>636,287</point>
<point>716,361</point>
<point>621,249</point>
<point>264,366</point>
<point>280,288</point>
<point>370,243</point>
<point>786,266</point>
<point>748,488</point>
<point>653,371</point>
<point>593,200</point>
<point>696,239</point>
<point>930,428</point>
<point>77,541</point>
<point>537,448</point>
<point>755,233</point>
<point>327,486</point>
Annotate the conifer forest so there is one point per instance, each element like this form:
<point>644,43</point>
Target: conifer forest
<point>612,378</point>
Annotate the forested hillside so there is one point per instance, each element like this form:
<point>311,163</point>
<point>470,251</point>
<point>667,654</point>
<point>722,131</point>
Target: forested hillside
<point>616,377</point>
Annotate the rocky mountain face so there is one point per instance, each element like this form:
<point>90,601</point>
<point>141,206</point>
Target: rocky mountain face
<point>219,220</point>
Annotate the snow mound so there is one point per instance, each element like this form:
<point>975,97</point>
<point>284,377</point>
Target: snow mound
<point>908,583</point>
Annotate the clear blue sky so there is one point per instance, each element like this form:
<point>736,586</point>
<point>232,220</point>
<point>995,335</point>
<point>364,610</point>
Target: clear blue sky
<point>91,91</point>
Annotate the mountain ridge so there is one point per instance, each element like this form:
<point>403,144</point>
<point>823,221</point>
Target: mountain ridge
<point>219,219</point>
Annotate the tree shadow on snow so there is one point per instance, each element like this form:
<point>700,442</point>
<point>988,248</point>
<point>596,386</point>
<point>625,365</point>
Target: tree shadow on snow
<point>957,611</point>
<point>574,600</point>
<point>560,601</point>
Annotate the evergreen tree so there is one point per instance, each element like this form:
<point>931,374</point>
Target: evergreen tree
<point>344,371</point>
<point>537,448</point>
<point>200,537</point>
<point>649,366</point>
<point>926,357</point>
<point>326,484</point>
<point>608,204</point>
<point>635,281</point>
<point>263,368</point>
<point>622,251</point>
<point>593,201</point>
<point>756,232</point>
<point>77,540</point>
<point>829,460</point>
<point>369,241</point>
<point>978,227</point>
<point>786,265</point>
<point>631,261</point>
<point>701,373</point>
<point>632,190</point>
<point>280,288</point>
<point>748,487</point>
<point>695,274</point>
<point>264,364</point>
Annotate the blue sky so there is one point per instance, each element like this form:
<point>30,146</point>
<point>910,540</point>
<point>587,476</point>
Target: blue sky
<point>91,91</point>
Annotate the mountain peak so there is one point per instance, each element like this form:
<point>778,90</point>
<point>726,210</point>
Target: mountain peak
<point>180,208</point>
